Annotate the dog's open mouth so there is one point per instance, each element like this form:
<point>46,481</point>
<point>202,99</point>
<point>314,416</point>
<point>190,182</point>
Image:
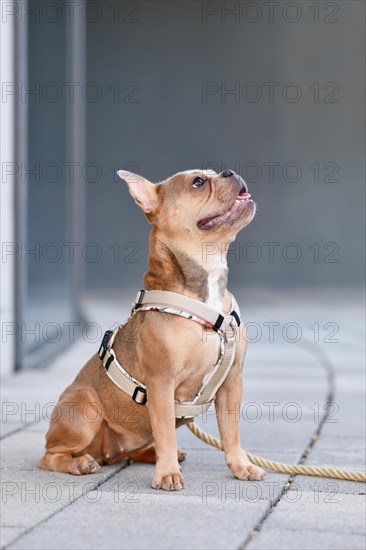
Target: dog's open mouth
<point>214,221</point>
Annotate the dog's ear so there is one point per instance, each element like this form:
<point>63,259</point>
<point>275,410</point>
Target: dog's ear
<point>143,191</point>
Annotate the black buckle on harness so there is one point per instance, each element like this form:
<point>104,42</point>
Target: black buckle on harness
<point>104,345</point>
<point>216,327</point>
<point>139,399</point>
<point>139,301</point>
<point>236,317</point>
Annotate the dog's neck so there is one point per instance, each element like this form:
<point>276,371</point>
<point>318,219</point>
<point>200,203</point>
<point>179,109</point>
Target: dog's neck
<point>197,275</point>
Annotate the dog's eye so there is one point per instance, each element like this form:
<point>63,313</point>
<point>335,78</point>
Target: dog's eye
<point>198,182</point>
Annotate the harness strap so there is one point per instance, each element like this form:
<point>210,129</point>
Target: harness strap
<point>137,391</point>
<point>167,301</point>
<point>189,305</point>
<point>221,369</point>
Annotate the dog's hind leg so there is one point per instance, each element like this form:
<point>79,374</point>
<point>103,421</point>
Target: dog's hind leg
<point>75,422</point>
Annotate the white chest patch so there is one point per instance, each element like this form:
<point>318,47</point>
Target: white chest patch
<point>215,289</point>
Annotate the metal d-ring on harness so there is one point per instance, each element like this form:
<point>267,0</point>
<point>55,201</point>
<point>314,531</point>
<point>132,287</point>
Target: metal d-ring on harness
<point>225,325</point>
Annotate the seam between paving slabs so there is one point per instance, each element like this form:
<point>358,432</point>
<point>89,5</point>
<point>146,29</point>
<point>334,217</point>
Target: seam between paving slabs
<point>17,430</point>
<point>94,486</point>
<point>323,361</point>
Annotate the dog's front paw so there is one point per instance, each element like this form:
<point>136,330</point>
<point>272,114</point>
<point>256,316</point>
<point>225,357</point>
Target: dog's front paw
<point>243,469</point>
<point>251,473</point>
<point>169,479</point>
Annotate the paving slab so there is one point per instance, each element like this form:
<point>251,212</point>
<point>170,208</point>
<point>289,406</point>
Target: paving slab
<point>8,534</point>
<point>287,539</point>
<point>319,512</point>
<point>29,494</point>
<point>261,436</point>
<point>207,477</point>
<point>155,521</point>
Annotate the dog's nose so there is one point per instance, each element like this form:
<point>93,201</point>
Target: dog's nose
<point>227,173</point>
<point>236,179</point>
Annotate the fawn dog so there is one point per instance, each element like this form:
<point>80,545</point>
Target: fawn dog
<point>189,212</point>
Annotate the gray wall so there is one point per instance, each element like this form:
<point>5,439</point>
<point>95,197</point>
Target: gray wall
<point>167,51</point>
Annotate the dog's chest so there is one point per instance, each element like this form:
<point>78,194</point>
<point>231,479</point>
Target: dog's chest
<point>197,364</point>
<point>161,345</point>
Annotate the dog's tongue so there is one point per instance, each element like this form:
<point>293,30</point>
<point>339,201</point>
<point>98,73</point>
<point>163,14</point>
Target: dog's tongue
<point>243,197</point>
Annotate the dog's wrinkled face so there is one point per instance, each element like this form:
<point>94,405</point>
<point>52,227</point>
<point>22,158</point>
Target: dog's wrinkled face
<point>195,203</point>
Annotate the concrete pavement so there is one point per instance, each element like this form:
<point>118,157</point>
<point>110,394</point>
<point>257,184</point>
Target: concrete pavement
<point>285,390</point>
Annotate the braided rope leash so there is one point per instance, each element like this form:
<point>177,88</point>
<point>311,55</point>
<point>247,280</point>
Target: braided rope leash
<point>335,473</point>
<point>280,466</point>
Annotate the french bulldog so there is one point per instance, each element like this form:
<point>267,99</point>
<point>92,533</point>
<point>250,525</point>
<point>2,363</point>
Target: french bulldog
<point>191,213</point>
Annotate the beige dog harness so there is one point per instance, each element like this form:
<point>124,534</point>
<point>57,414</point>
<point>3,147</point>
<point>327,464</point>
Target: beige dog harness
<point>225,325</point>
